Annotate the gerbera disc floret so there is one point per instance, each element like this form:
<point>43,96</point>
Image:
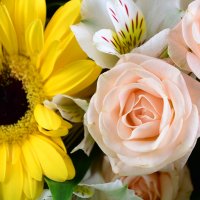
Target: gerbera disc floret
<point>19,75</point>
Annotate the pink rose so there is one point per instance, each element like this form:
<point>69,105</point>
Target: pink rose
<point>184,40</point>
<point>171,185</point>
<point>143,116</point>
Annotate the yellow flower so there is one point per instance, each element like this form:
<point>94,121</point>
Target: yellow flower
<point>36,64</point>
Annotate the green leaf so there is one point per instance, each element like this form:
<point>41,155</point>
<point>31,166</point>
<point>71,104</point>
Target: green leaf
<point>64,190</point>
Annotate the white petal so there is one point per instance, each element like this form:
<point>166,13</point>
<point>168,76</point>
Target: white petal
<point>122,12</point>
<point>94,12</point>
<point>183,4</point>
<point>84,34</point>
<point>155,45</point>
<point>159,14</point>
<point>104,41</point>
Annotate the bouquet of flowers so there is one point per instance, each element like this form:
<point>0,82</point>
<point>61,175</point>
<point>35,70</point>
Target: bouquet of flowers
<point>105,98</point>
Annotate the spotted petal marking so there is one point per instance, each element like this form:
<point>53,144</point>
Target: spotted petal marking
<point>129,25</point>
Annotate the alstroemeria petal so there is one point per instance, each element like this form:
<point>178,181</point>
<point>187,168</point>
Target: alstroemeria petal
<point>125,15</point>
<point>105,42</point>
<point>87,12</point>
<point>129,25</point>
<point>159,14</point>
<point>92,23</point>
<point>85,40</point>
<point>155,45</point>
<point>72,78</point>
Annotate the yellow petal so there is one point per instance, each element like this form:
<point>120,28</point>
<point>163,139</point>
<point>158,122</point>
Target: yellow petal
<point>3,158</point>
<point>59,25</point>
<point>70,167</point>
<point>61,131</point>
<point>26,12</point>
<point>72,78</point>
<point>52,163</point>
<point>1,55</point>
<point>71,51</point>
<point>8,36</point>
<point>32,188</point>
<point>66,158</point>
<point>34,38</point>
<point>47,118</point>
<point>16,151</point>
<point>58,141</point>
<point>47,60</point>
<point>12,187</point>
<point>31,161</point>
<point>10,5</point>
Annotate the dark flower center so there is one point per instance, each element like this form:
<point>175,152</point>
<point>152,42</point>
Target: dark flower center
<point>13,101</point>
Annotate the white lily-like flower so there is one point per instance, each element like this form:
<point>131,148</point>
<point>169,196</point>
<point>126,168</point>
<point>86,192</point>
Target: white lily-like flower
<point>129,25</point>
<point>111,28</point>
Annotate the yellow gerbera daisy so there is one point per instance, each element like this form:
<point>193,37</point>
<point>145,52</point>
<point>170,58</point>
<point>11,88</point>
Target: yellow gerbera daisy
<point>36,65</point>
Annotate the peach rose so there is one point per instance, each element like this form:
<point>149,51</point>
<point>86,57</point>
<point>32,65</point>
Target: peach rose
<point>184,40</point>
<point>171,185</point>
<point>143,116</point>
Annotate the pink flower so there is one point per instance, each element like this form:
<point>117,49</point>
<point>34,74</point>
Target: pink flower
<point>143,116</point>
<point>171,185</point>
<point>184,40</point>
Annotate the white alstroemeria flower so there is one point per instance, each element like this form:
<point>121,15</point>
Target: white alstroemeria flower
<point>110,28</point>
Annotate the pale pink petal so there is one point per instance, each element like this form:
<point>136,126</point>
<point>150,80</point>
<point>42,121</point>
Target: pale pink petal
<point>187,24</point>
<point>123,131</point>
<point>193,88</point>
<point>91,118</point>
<point>190,131</point>
<point>196,32</point>
<point>194,63</point>
<point>126,100</point>
<point>177,49</point>
<point>147,131</point>
<point>166,115</point>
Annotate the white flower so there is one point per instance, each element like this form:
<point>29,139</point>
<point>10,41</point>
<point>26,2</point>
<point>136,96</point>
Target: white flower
<point>110,28</point>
